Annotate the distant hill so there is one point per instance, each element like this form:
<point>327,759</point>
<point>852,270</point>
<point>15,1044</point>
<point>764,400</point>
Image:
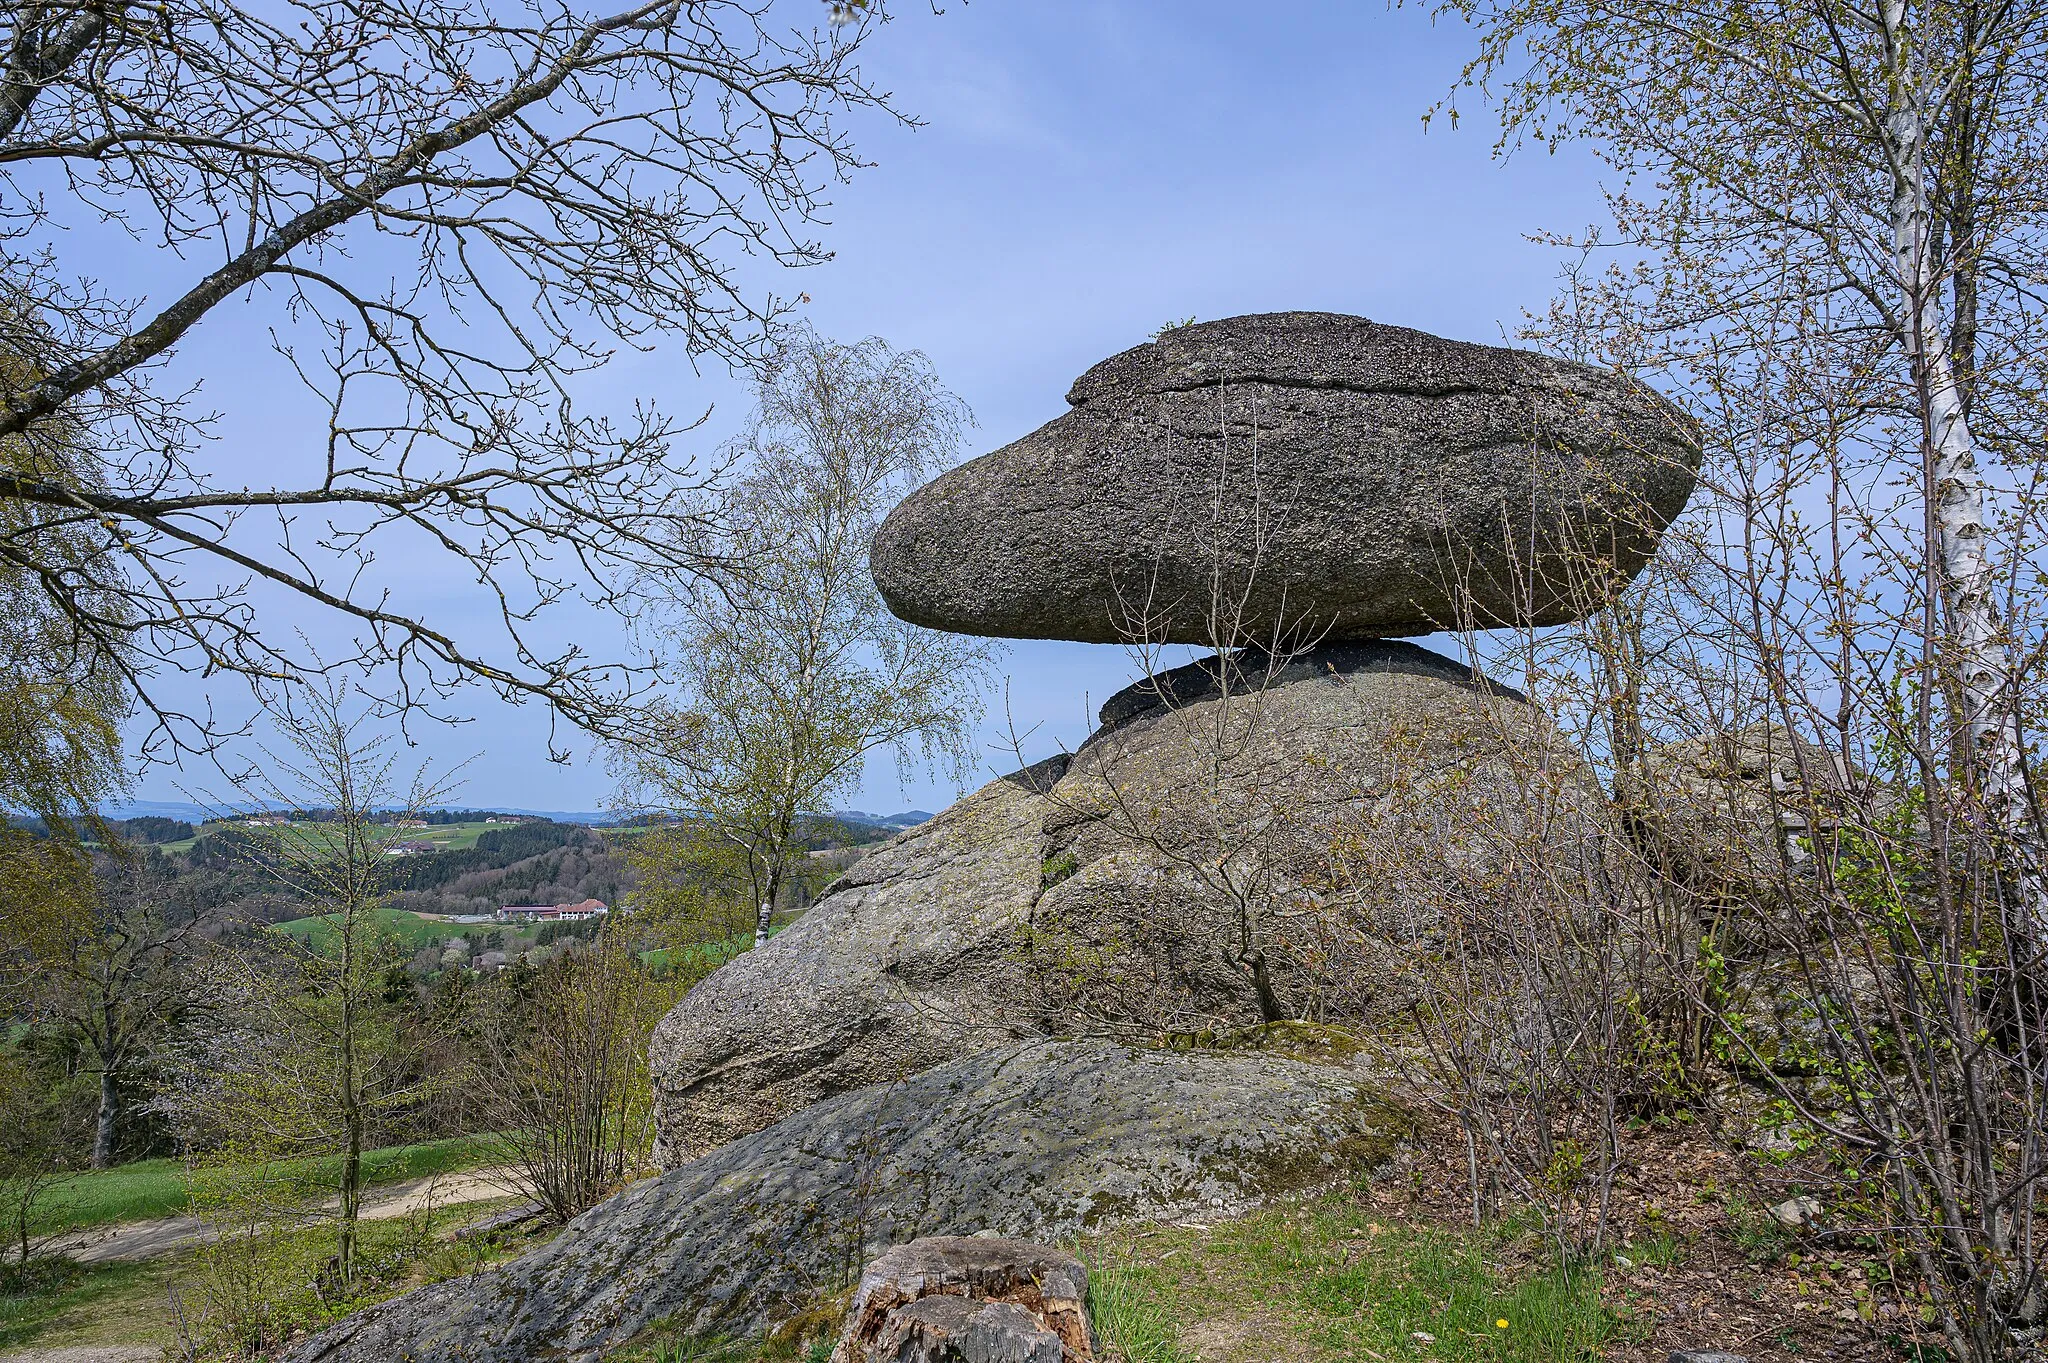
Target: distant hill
<point>182,810</point>
<point>909,818</point>
<point>196,813</point>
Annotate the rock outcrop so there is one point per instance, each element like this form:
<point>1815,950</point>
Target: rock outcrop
<point>1739,816</point>
<point>969,1299</point>
<point>1067,1001</point>
<point>1343,480</point>
<point>1080,896</point>
<point>1037,1141</point>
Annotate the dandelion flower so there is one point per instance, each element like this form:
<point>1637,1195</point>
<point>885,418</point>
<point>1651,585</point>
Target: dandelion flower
<point>1500,1324</point>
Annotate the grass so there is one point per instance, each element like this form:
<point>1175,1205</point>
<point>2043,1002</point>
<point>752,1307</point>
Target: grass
<point>446,837</point>
<point>149,1189</point>
<point>411,930</point>
<point>688,1349</point>
<point>1128,1309</point>
<point>66,1304</point>
<point>1316,1282</point>
<point>450,837</point>
<point>1324,1280</point>
<point>705,956</point>
<point>79,1304</point>
<point>1313,1282</point>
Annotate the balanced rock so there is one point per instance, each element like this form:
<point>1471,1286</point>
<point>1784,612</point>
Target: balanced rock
<point>1326,476</point>
<point>969,1299</point>
<point>1041,1141</point>
<point>1072,897</point>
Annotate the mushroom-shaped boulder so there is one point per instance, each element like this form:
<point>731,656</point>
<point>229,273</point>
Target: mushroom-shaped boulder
<point>1314,475</point>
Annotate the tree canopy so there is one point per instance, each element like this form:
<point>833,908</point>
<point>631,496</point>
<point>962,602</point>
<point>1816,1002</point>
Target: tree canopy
<point>794,671</point>
<point>444,212</point>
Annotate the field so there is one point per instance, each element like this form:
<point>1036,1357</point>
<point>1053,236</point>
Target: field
<point>80,1305</point>
<point>706,956</point>
<point>148,1189</point>
<point>446,837</point>
<point>411,930</point>
<point>450,837</point>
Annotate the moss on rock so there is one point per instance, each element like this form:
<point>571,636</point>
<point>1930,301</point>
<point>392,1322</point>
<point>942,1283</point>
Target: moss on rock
<point>1043,1141</point>
<point>1316,1043</point>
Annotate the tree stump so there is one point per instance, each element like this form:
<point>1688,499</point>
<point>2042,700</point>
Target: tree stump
<point>969,1299</point>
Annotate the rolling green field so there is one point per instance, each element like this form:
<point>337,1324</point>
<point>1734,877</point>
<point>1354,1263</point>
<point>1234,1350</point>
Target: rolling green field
<point>148,1189</point>
<point>446,837</point>
<point>450,837</point>
<point>411,930</point>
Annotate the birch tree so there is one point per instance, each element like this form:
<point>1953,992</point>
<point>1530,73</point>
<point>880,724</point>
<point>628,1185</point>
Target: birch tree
<point>794,672</point>
<point>1826,240</point>
<point>1852,184</point>
<point>62,699</point>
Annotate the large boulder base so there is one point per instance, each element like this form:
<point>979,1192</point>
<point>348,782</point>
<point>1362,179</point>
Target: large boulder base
<point>1041,1141</point>
<point>1341,478</point>
<point>1059,900</point>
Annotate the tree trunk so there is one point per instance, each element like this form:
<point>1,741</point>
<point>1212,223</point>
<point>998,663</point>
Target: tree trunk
<point>351,1100</point>
<point>107,1128</point>
<point>351,1198</point>
<point>1963,572</point>
<point>1262,986</point>
<point>767,912</point>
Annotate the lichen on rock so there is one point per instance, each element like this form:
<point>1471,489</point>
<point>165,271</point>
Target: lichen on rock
<point>1337,475</point>
<point>1053,903</point>
<point>1040,1141</point>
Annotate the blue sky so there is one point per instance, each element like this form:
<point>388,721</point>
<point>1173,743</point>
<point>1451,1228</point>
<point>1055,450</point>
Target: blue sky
<point>1087,172</point>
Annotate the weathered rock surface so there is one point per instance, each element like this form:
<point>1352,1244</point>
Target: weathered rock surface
<point>957,1330</point>
<point>1739,816</point>
<point>1069,898</point>
<point>979,1299</point>
<point>1035,1141</point>
<point>1350,480</point>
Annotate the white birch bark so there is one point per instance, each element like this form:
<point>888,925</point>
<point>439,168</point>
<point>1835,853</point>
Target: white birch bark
<point>1965,571</point>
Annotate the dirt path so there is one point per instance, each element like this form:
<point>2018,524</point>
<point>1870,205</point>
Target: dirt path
<point>147,1239</point>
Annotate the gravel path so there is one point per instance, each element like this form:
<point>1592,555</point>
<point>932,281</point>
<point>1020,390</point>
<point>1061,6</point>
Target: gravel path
<point>146,1239</point>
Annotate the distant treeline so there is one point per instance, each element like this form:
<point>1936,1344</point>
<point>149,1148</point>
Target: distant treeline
<point>153,828</point>
<point>499,847</point>
<point>444,816</point>
<point>144,828</point>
